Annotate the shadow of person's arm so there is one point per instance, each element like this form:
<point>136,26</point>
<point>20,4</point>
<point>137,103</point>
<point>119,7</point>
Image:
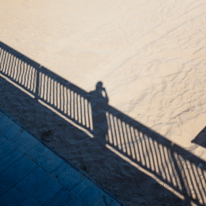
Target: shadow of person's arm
<point>104,94</point>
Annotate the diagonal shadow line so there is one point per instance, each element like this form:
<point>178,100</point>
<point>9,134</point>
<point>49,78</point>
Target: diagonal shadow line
<point>164,161</point>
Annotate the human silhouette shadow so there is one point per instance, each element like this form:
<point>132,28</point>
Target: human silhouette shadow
<point>99,103</point>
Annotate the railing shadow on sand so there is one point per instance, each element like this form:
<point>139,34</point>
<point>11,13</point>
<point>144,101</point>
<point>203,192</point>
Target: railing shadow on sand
<point>180,171</point>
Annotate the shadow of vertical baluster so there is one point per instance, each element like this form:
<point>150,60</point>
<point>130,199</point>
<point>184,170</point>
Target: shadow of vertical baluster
<point>115,132</point>
<point>197,190</point>
<point>151,142</point>
<point>140,134</point>
<point>55,93</point>
<point>22,73</point>
<point>183,184</point>
<point>112,130</point>
<point>109,128</point>
<point>131,142</point>
<point>43,86</point>
<point>19,71</point>
<point>136,140</point>
<point>68,103</point>
<point>87,125</point>
<point>9,66</point>
<point>27,76</point>
<point>79,108</point>
<point>85,113</point>
<point>15,69</point>
<point>164,164</point>
<point>167,165</point>
<point>65,100</point>
<point>72,103</point>
<point>144,150</point>
<point>123,143</point>
<point>52,92</point>
<point>3,61</point>
<point>49,90</point>
<point>82,110</point>
<point>149,153</point>
<point>75,107</point>
<point>58,96</point>
<point>32,77</point>
<point>1,57</point>
<point>125,138</point>
<point>174,175</point>
<point>200,174</point>
<point>6,63</point>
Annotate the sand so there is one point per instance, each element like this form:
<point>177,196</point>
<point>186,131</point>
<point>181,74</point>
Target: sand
<point>139,132</point>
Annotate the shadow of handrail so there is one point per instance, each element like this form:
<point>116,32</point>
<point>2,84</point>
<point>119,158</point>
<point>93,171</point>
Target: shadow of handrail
<point>165,161</point>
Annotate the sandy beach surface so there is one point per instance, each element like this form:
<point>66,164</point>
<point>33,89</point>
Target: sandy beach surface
<point>116,87</point>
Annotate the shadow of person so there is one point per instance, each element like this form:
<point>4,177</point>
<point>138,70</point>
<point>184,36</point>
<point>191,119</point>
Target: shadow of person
<point>99,103</point>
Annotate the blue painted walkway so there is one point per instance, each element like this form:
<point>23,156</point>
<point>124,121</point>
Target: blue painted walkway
<point>31,174</point>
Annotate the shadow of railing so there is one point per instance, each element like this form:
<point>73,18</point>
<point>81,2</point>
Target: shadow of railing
<point>171,164</point>
<point>63,96</point>
<point>179,170</point>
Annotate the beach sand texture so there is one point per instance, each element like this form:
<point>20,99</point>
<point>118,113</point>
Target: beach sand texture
<point>145,140</point>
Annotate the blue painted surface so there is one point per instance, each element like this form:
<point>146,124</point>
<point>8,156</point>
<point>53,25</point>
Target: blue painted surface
<point>67,176</point>
<point>47,191</point>
<point>5,125</point>
<point>61,198</point>
<point>2,139</point>
<point>37,151</point>
<point>88,192</point>
<point>10,159</point>
<point>33,181</point>
<point>12,198</point>
<point>75,202</point>
<point>106,200</point>
<point>31,174</point>
<point>15,173</point>
<point>6,148</point>
<point>49,161</point>
<point>30,201</point>
<point>24,141</point>
<point>13,131</point>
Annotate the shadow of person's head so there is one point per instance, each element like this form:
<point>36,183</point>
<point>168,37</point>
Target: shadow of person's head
<point>99,86</point>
